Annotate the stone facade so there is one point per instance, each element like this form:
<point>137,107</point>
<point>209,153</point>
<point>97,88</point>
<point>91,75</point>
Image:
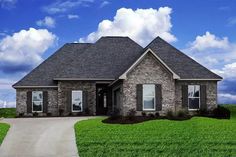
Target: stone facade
<point>211,93</point>
<point>21,101</point>
<point>148,71</point>
<point>65,86</point>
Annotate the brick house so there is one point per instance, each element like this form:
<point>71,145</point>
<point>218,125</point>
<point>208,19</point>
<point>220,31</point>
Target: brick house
<point>116,73</point>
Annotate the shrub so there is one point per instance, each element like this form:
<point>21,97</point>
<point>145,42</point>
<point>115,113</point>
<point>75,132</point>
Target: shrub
<point>203,112</point>
<point>221,113</point>
<point>115,114</point>
<point>181,113</point>
<point>157,114</point>
<point>21,114</point>
<point>35,114</point>
<point>169,114</point>
<point>49,114</point>
<point>144,114</point>
<point>131,114</point>
<point>151,115</point>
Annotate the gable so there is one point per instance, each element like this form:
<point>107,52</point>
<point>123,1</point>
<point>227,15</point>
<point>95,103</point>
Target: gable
<point>149,52</point>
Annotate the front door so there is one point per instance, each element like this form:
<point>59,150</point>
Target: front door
<point>102,93</point>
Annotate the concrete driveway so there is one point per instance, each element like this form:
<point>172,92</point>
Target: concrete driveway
<point>40,137</point>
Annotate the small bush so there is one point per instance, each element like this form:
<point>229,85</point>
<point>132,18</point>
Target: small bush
<point>157,114</point>
<point>203,112</point>
<point>49,114</point>
<point>115,114</point>
<point>169,114</point>
<point>131,114</point>
<point>151,115</point>
<point>144,114</point>
<point>221,113</point>
<point>35,114</point>
<point>181,113</point>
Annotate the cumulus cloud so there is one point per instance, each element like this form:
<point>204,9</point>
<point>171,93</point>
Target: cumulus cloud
<point>228,71</point>
<point>142,25</point>
<point>47,22</point>
<point>23,50</point>
<point>8,4</point>
<point>210,50</point>
<point>72,16</point>
<point>64,6</point>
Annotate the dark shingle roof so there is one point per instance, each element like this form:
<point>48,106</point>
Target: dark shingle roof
<point>43,74</point>
<point>181,64</point>
<point>109,58</point>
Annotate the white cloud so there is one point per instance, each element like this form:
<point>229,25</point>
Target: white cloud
<point>211,50</point>
<point>23,50</point>
<point>227,98</point>
<point>6,83</point>
<point>64,6</point>
<point>207,41</point>
<point>228,71</point>
<point>104,3</point>
<point>72,16</point>
<point>8,4</point>
<point>47,22</point>
<point>142,25</point>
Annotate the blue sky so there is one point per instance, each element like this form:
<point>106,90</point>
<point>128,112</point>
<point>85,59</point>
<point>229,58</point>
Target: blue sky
<point>32,30</point>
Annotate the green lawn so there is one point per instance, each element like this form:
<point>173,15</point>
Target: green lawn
<point>3,131</point>
<point>8,112</point>
<point>198,136</point>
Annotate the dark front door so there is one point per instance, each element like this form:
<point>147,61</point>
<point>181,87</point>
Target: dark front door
<point>102,97</point>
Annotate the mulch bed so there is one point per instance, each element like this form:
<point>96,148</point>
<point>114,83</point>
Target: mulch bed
<point>140,119</point>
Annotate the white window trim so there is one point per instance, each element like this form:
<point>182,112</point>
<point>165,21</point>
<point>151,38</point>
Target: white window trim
<point>81,100</point>
<point>36,101</point>
<point>150,109</point>
<point>195,97</point>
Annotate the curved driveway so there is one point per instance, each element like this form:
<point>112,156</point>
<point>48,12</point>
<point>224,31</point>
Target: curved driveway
<point>40,137</point>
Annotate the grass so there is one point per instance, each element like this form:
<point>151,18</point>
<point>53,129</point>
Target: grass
<point>3,131</point>
<point>8,112</point>
<point>196,137</point>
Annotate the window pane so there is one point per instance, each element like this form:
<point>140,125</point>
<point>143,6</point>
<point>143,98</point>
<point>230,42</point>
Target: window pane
<point>148,90</point>
<point>37,96</point>
<point>193,103</point>
<point>148,103</point>
<point>77,106</point>
<point>196,91</point>
<point>76,100</point>
<point>37,105</point>
<point>190,91</point>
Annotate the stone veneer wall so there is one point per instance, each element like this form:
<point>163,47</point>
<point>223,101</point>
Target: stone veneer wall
<point>211,93</point>
<point>65,86</point>
<point>149,71</point>
<point>21,101</point>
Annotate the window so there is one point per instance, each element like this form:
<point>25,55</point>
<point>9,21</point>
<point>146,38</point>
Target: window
<point>77,101</point>
<point>193,97</point>
<point>149,97</point>
<point>37,101</point>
